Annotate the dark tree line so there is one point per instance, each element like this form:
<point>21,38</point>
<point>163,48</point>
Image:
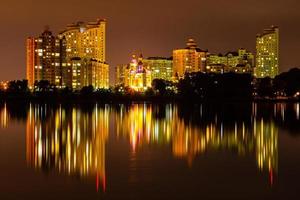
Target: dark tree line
<point>285,85</point>
<point>201,86</point>
<point>194,87</point>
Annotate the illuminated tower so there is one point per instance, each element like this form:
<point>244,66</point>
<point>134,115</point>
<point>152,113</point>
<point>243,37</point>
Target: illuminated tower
<point>45,58</point>
<point>30,66</point>
<point>86,46</point>
<point>267,53</point>
<point>190,59</point>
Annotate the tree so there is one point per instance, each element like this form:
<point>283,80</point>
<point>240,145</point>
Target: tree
<point>18,87</point>
<point>149,92</point>
<point>288,82</point>
<point>42,86</point>
<point>87,90</point>
<point>104,94</point>
<point>264,87</point>
<point>159,85</point>
<point>201,86</point>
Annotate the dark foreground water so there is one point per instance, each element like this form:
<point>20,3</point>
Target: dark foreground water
<point>230,151</point>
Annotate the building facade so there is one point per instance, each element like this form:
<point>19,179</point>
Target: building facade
<point>122,74</point>
<point>161,68</point>
<point>190,59</point>
<point>74,59</point>
<point>85,54</point>
<point>86,40</point>
<point>135,75</point>
<point>45,58</point>
<point>267,53</point>
<point>139,75</point>
<point>241,61</point>
<point>158,67</point>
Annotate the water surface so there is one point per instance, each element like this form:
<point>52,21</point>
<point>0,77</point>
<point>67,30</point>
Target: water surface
<point>144,151</point>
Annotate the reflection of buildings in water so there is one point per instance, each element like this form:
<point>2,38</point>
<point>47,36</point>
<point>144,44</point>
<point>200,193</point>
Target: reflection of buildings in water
<point>266,135</point>
<point>140,127</point>
<point>72,141</point>
<point>190,141</point>
<point>4,117</point>
<point>259,138</point>
<point>297,110</point>
<point>68,141</point>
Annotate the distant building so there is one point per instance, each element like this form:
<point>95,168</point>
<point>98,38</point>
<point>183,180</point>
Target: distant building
<point>122,74</point>
<point>158,67</point>
<point>45,58</point>
<point>135,75</point>
<point>267,53</point>
<point>144,71</point>
<point>217,68</point>
<point>241,61</point>
<point>85,54</point>
<point>161,68</point>
<point>190,59</point>
<point>139,76</point>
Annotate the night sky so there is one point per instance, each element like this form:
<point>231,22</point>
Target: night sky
<point>154,27</point>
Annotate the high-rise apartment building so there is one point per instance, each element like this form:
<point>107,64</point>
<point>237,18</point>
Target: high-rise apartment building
<point>75,58</point>
<point>190,59</point>
<point>85,54</point>
<point>86,40</point>
<point>45,58</point>
<point>161,68</point>
<point>267,53</point>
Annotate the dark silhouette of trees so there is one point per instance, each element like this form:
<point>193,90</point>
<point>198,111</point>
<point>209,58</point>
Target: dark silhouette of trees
<point>87,91</point>
<point>43,90</point>
<point>288,82</point>
<point>160,86</point>
<point>103,94</point>
<point>150,93</point>
<point>43,87</point>
<point>193,87</point>
<point>66,91</point>
<point>18,87</point>
<point>264,87</point>
<point>200,86</point>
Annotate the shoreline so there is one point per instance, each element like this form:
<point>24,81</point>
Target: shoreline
<point>140,100</point>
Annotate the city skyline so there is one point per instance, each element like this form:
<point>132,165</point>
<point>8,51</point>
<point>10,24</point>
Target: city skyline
<point>149,99</point>
<point>76,58</point>
<point>127,33</point>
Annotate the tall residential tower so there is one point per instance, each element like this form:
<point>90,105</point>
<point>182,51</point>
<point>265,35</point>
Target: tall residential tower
<point>267,53</point>
<point>45,58</point>
<point>74,59</point>
<point>86,55</point>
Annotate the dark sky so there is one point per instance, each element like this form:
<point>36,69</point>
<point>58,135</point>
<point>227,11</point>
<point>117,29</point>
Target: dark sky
<point>152,27</point>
